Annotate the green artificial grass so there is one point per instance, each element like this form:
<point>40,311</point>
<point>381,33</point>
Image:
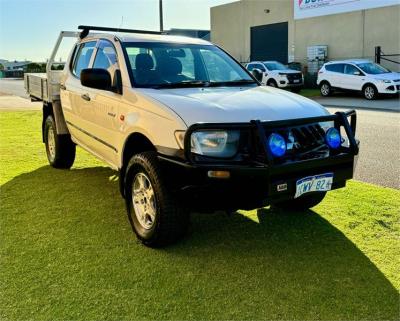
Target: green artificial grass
<point>67,251</point>
<point>310,93</point>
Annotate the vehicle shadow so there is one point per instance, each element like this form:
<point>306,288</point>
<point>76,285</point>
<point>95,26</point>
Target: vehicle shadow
<point>260,265</point>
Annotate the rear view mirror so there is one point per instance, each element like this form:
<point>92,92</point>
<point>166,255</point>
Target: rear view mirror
<point>258,74</point>
<point>177,53</point>
<point>96,78</point>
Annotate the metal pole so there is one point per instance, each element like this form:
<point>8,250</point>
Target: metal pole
<point>378,54</point>
<point>161,16</point>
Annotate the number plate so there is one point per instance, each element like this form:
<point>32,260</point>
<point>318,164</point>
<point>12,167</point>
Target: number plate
<point>296,81</point>
<point>318,183</point>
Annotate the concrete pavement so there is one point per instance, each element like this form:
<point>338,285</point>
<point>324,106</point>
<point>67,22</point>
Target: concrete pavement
<point>352,101</point>
<point>17,103</point>
<point>13,86</point>
<point>379,158</point>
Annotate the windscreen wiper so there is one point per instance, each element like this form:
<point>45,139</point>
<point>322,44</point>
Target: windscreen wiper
<point>239,82</point>
<point>202,83</point>
<point>183,84</point>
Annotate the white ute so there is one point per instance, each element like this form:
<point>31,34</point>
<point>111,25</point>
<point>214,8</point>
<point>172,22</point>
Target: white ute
<point>188,128</point>
<point>275,74</point>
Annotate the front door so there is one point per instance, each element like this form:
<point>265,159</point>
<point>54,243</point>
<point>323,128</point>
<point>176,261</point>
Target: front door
<point>104,119</point>
<point>77,97</point>
<point>353,78</point>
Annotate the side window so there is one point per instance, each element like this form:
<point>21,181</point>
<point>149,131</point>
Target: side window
<point>106,57</point>
<point>261,67</point>
<point>83,56</point>
<point>350,69</point>
<point>335,68</point>
<point>250,67</point>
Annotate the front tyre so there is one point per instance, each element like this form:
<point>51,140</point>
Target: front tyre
<point>60,149</point>
<point>302,203</point>
<point>272,83</point>
<point>370,92</point>
<point>155,213</point>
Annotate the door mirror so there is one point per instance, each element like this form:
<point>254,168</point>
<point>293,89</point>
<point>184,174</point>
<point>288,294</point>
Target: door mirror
<point>357,73</point>
<point>258,74</point>
<point>96,78</point>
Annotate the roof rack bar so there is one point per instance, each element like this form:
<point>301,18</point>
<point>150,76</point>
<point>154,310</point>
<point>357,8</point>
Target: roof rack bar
<point>86,29</point>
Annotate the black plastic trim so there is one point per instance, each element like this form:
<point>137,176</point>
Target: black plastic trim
<point>86,29</point>
<point>92,136</point>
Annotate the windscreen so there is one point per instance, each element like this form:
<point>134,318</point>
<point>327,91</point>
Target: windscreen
<point>372,69</point>
<point>274,65</point>
<point>165,65</point>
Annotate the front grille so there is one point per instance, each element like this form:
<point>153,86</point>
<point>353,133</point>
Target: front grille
<point>398,87</point>
<point>292,77</point>
<point>303,142</point>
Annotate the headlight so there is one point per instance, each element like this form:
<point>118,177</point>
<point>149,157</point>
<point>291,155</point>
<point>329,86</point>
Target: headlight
<point>384,81</point>
<point>220,143</point>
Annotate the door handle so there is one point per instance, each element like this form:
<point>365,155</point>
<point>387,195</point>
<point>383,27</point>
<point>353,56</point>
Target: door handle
<point>86,97</point>
<point>63,87</point>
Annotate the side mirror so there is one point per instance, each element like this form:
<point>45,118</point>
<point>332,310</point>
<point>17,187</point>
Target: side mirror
<point>258,74</point>
<point>96,78</point>
<point>357,73</point>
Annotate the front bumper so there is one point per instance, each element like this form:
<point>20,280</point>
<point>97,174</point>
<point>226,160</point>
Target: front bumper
<point>289,84</point>
<point>255,184</point>
<point>388,88</point>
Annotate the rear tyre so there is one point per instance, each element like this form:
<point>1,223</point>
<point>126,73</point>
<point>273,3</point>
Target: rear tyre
<point>60,149</point>
<point>154,211</point>
<point>370,92</point>
<point>302,203</point>
<point>272,83</point>
<point>325,89</point>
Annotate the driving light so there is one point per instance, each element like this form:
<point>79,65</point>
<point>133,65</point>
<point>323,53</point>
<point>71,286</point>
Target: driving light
<point>333,138</point>
<point>277,145</point>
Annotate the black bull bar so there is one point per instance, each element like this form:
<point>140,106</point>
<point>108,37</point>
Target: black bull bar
<point>259,128</point>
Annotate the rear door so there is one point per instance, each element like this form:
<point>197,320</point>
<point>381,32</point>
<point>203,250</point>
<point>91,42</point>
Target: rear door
<point>335,74</point>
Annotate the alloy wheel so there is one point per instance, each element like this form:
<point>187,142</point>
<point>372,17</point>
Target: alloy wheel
<point>144,202</point>
<point>325,89</point>
<point>369,92</point>
<point>51,144</point>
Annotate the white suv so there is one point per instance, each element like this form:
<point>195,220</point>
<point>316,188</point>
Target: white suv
<point>358,75</point>
<point>275,74</point>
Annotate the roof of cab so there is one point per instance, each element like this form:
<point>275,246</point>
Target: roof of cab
<point>139,37</point>
<point>349,61</point>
